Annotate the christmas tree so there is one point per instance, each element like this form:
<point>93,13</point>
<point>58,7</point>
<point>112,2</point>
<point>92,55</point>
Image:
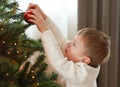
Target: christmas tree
<point>21,58</point>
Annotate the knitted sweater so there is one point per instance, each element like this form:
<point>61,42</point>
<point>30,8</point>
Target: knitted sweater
<point>70,74</point>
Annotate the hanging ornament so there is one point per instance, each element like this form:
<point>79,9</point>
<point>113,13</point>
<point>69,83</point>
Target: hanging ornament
<point>26,17</point>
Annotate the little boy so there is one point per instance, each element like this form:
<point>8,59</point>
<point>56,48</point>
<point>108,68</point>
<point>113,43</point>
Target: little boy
<point>77,61</point>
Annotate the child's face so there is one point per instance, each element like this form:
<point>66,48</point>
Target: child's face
<point>74,50</point>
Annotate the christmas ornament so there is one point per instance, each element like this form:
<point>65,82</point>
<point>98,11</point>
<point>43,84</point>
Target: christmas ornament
<point>26,17</point>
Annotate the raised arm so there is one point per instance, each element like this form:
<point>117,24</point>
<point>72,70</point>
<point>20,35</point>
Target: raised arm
<point>50,25</point>
<point>56,32</point>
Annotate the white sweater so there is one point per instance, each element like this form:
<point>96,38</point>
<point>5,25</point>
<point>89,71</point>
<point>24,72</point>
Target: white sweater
<point>71,74</point>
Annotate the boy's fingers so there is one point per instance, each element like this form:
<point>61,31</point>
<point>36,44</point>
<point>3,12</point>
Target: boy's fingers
<point>31,6</point>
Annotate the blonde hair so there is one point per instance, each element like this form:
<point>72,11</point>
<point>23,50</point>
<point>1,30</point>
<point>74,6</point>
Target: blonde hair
<point>97,45</point>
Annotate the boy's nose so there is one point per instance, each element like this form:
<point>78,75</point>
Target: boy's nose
<point>68,44</point>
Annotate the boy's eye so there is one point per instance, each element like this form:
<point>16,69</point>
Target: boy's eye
<point>74,43</point>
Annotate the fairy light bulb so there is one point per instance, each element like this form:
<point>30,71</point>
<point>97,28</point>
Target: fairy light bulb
<point>33,77</point>
<point>15,44</point>
<point>18,51</point>
<point>8,52</point>
<point>1,29</point>
<point>3,42</point>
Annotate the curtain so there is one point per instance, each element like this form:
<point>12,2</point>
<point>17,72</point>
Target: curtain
<point>104,15</point>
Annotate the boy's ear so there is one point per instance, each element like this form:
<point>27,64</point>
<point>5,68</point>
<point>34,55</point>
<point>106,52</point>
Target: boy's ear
<point>86,60</point>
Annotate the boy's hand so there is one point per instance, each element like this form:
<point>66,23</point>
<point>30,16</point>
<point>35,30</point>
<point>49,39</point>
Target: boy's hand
<point>37,19</point>
<point>36,7</point>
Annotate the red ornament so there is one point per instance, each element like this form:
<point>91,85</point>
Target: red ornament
<point>26,17</point>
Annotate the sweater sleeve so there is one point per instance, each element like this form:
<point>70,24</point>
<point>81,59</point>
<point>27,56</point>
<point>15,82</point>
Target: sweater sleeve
<point>56,32</point>
<point>68,69</point>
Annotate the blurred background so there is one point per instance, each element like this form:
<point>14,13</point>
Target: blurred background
<point>62,12</point>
